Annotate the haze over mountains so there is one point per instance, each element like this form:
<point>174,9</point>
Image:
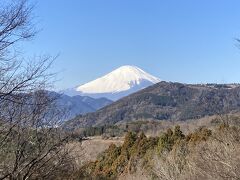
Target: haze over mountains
<point>75,105</point>
<point>116,84</point>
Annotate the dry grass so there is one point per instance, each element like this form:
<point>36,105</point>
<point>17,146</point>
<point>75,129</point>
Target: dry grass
<point>88,150</point>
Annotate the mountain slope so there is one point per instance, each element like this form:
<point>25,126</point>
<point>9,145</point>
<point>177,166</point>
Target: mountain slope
<point>80,104</point>
<point>116,84</point>
<point>166,101</point>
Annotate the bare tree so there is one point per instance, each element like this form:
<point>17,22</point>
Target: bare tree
<point>15,23</point>
<point>31,143</point>
<point>217,158</point>
<point>170,165</point>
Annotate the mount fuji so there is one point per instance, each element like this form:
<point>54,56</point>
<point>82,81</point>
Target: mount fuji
<point>116,84</point>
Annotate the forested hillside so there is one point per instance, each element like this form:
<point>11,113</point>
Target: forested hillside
<point>165,101</point>
<point>202,154</point>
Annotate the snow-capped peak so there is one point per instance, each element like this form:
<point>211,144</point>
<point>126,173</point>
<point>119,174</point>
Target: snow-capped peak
<point>121,79</point>
<point>116,84</point>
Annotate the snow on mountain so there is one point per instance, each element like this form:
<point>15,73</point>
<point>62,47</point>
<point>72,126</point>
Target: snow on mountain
<point>116,84</point>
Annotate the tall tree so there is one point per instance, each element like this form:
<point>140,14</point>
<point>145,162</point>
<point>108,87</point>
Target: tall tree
<point>31,144</point>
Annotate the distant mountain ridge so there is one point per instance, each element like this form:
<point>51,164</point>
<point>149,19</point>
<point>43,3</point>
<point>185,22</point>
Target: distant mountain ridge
<point>116,84</point>
<point>77,105</point>
<point>166,101</point>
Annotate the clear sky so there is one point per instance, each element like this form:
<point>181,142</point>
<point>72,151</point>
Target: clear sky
<point>188,41</point>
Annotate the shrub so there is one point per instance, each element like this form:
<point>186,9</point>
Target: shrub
<point>202,134</point>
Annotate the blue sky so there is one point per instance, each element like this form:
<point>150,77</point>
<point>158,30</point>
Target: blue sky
<point>185,41</point>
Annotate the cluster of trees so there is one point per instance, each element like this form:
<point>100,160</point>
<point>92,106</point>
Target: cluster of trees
<point>106,130</point>
<point>203,153</point>
<point>118,130</point>
<point>115,160</point>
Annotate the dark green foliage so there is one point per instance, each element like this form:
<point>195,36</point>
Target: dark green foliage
<point>168,139</point>
<point>174,149</point>
<point>142,145</point>
<point>115,160</point>
<point>139,126</point>
<point>129,140</point>
<point>107,130</point>
<point>105,162</point>
<point>178,134</point>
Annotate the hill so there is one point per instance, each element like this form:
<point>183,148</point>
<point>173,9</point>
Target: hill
<point>165,101</point>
